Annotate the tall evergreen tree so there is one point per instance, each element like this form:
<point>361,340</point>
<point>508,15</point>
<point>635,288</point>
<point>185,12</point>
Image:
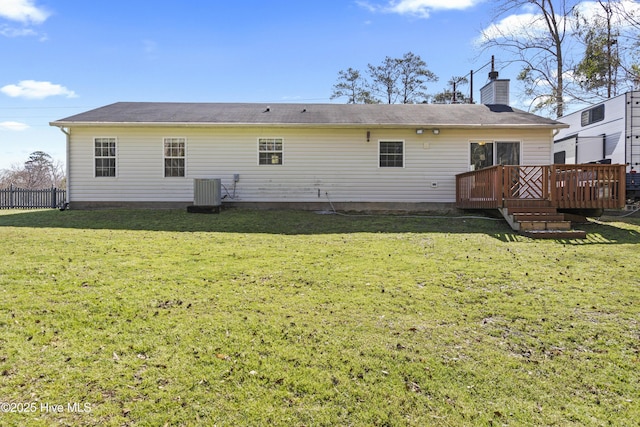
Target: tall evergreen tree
<point>598,70</point>
<point>395,80</point>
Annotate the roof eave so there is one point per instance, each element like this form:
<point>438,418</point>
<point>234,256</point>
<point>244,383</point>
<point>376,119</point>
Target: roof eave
<point>67,124</point>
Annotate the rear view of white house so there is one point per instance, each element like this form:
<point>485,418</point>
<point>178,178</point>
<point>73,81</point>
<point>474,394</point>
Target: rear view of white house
<point>363,157</point>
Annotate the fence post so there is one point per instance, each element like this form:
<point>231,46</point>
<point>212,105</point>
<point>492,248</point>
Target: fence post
<point>11,196</point>
<point>53,197</point>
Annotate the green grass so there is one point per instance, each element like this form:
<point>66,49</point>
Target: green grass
<point>299,319</point>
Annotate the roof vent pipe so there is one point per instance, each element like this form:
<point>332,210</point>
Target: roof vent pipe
<point>493,74</point>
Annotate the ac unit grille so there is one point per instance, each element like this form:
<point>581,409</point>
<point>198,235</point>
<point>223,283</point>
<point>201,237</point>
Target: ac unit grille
<point>206,192</point>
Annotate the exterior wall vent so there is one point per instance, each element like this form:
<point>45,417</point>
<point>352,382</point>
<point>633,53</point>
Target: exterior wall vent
<point>206,192</point>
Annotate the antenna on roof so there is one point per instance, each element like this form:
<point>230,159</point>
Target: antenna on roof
<point>493,74</point>
<point>267,109</point>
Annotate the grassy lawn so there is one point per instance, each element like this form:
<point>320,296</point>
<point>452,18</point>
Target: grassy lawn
<point>299,319</point>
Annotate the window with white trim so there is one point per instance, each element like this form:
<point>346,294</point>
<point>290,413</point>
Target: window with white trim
<point>174,157</point>
<point>104,157</point>
<point>270,151</point>
<point>391,154</point>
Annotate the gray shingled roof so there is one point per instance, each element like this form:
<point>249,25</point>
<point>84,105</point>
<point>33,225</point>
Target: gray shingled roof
<point>324,115</point>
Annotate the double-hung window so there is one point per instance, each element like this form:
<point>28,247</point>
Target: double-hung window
<point>391,154</point>
<point>270,151</point>
<point>104,157</point>
<point>174,156</point>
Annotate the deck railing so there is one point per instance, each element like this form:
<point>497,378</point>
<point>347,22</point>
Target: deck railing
<point>587,186</point>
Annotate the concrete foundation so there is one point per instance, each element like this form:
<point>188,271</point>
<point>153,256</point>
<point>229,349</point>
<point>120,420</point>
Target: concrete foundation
<point>372,207</point>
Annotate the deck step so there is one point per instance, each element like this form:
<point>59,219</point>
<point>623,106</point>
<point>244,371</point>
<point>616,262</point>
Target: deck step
<point>527,203</point>
<point>555,234</point>
<point>535,216</point>
<point>540,209</point>
<point>540,222</point>
<point>544,225</point>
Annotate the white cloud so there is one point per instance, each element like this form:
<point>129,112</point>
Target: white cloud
<point>530,21</point>
<point>590,10</point>
<point>24,11</point>
<point>12,32</point>
<point>7,31</point>
<point>15,126</point>
<point>513,26</point>
<point>420,8</point>
<point>32,89</point>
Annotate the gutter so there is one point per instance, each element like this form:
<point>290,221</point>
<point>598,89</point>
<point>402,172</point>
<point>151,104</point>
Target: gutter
<point>67,132</point>
<point>313,125</point>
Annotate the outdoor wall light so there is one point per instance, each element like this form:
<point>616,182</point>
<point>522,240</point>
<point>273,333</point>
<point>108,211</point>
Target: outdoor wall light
<point>436,131</point>
<point>419,131</point>
<point>368,136</point>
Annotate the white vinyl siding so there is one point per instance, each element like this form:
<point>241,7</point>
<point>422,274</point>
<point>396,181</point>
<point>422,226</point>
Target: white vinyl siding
<point>339,163</point>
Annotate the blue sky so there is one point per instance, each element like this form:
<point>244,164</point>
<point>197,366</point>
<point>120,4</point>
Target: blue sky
<point>62,57</point>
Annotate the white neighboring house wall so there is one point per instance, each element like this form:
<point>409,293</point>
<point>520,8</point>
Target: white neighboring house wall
<point>319,164</point>
<point>609,131</point>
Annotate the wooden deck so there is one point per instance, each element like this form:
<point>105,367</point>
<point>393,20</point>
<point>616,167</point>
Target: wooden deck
<point>585,186</point>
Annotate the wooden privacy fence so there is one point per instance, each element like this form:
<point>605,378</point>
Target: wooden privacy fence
<point>20,198</point>
<point>587,186</point>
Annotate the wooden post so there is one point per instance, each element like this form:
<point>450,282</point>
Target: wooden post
<point>622,186</point>
<point>502,177</point>
<point>553,185</point>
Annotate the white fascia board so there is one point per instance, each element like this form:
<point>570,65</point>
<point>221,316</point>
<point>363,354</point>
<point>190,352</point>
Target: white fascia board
<point>309,126</point>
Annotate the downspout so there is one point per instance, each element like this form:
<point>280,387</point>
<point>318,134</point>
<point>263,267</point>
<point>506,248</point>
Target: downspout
<point>67,132</point>
<point>629,112</point>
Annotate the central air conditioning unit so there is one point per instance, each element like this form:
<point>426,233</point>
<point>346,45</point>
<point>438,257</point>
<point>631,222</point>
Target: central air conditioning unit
<point>206,196</point>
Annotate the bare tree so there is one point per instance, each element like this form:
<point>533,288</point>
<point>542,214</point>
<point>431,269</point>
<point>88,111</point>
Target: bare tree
<point>628,14</point>
<point>539,43</point>
<point>38,172</point>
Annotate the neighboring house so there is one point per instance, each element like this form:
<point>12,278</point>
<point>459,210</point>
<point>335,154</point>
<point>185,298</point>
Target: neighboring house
<point>360,157</point>
<point>608,132</point>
